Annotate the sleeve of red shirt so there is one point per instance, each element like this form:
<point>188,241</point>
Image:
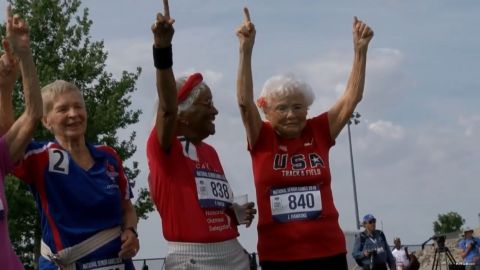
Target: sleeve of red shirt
<point>321,128</point>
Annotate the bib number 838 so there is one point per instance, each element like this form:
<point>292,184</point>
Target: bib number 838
<point>303,201</point>
<point>220,190</point>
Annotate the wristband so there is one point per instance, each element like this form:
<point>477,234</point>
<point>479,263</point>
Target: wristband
<point>162,57</point>
<point>132,229</point>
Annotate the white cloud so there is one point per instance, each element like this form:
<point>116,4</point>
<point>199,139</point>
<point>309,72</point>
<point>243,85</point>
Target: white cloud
<point>385,78</point>
<point>387,129</point>
<point>123,54</point>
<point>471,123</point>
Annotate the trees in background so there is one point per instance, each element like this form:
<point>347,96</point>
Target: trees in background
<point>447,223</point>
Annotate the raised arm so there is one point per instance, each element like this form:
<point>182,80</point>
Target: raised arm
<point>8,76</point>
<point>341,111</point>
<point>166,87</point>
<point>20,134</point>
<point>249,111</point>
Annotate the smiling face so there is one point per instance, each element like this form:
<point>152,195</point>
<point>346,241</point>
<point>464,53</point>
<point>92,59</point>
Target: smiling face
<point>200,116</point>
<point>66,116</point>
<point>287,114</point>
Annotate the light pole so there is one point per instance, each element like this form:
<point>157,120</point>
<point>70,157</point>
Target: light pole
<point>354,120</point>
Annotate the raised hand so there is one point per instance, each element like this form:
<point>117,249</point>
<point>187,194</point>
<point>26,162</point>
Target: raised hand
<point>8,68</point>
<point>162,29</point>
<point>17,33</point>
<point>246,32</point>
<point>362,34</point>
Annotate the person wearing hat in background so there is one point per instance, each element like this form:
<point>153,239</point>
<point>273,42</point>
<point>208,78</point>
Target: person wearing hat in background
<point>470,246</point>
<point>402,258</point>
<point>371,249</point>
<point>186,180</point>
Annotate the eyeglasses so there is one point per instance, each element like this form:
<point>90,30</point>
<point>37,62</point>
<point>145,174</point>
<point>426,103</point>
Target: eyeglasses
<point>285,109</point>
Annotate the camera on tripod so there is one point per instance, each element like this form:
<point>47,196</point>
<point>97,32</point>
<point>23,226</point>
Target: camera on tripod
<point>440,240</point>
<point>441,249</point>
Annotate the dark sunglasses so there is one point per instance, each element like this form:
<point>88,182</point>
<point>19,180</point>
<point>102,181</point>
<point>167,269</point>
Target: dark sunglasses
<point>373,221</point>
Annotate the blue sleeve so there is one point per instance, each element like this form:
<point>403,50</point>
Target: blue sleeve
<point>390,258</point>
<point>357,251</point>
<point>461,244</point>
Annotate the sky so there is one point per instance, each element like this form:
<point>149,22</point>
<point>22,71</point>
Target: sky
<point>415,150</point>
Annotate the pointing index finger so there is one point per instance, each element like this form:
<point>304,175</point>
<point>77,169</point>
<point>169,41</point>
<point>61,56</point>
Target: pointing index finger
<point>247,15</point>
<point>9,11</point>
<point>166,9</point>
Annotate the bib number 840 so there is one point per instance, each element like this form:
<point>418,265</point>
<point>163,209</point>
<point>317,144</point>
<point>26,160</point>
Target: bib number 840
<point>301,200</point>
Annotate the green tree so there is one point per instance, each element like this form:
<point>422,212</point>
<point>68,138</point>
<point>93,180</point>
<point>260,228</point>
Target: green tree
<point>447,223</point>
<point>63,49</point>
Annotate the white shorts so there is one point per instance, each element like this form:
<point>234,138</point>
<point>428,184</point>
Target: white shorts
<point>227,255</point>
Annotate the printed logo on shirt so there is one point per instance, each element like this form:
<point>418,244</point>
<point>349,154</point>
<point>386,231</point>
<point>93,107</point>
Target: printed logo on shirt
<point>58,161</point>
<point>111,171</point>
<point>218,220</point>
<point>298,164</point>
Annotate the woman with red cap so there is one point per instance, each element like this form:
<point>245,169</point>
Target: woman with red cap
<point>186,180</point>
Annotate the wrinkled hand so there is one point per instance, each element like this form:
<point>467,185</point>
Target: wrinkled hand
<point>130,245</point>
<point>8,68</point>
<point>162,29</point>
<point>362,34</point>
<point>17,33</point>
<point>246,33</point>
<point>250,213</point>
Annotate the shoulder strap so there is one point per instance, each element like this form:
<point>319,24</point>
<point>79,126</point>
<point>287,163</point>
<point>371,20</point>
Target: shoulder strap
<point>383,237</point>
<point>363,237</point>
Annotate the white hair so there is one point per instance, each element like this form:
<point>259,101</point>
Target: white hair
<point>192,96</point>
<point>52,90</point>
<point>284,85</point>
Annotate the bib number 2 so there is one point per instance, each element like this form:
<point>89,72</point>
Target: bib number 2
<point>58,161</point>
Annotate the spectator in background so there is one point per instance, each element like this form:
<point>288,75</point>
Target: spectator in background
<point>470,246</point>
<point>402,258</point>
<point>371,248</point>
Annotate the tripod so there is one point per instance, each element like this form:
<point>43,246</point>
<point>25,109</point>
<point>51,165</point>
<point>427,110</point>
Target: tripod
<point>447,255</point>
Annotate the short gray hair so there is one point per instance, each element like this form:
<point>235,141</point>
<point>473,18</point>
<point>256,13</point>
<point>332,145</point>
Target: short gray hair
<point>52,90</point>
<point>284,85</point>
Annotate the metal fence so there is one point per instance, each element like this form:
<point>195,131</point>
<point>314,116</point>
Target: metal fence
<point>159,263</point>
<point>149,264</point>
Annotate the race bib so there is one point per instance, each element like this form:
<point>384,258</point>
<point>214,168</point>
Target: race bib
<point>295,203</point>
<point>213,190</point>
<point>58,161</point>
<point>105,264</point>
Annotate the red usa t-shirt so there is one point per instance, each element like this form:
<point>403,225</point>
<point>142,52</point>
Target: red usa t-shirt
<point>190,191</point>
<point>297,216</point>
